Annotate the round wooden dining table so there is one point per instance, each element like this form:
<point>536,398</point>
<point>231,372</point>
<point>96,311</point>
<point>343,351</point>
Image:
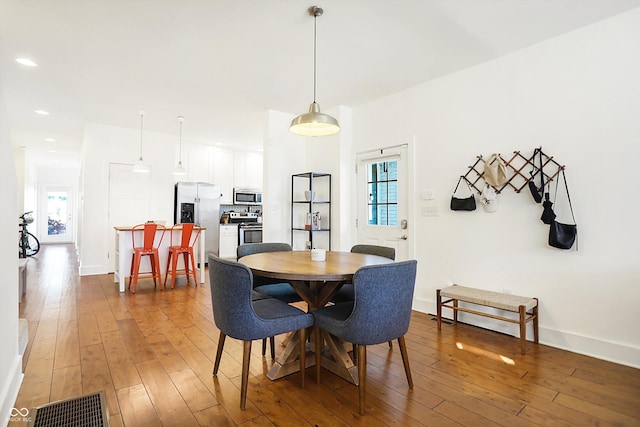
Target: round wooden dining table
<point>316,282</point>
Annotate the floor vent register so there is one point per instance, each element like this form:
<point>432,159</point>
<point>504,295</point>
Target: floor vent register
<point>84,411</point>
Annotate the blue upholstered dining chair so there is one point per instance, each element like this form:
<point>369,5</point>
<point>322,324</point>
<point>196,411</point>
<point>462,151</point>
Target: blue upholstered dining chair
<point>263,285</point>
<point>380,312</point>
<point>345,293</point>
<point>237,316</point>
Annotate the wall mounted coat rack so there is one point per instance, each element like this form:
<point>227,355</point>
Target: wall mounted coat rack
<point>521,170</point>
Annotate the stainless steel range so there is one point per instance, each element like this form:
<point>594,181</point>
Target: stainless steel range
<point>249,229</point>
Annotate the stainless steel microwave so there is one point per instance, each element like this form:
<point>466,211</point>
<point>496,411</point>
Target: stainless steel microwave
<point>247,196</point>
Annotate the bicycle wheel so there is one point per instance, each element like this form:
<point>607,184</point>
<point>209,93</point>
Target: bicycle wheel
<point>32,245</point>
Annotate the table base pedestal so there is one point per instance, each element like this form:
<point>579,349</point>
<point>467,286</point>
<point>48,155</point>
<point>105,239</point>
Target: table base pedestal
<point>335,358</point>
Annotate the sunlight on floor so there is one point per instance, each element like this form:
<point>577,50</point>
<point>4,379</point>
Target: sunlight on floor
<point>488,354</point>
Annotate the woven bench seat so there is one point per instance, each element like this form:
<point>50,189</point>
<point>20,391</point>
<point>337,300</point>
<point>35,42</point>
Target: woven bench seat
<point>526,307</point>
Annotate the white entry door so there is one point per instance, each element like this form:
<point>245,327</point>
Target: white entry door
<point>57,216</point>
<point>382,199</point>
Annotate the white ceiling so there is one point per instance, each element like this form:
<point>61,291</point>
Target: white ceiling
<point>223,63</point>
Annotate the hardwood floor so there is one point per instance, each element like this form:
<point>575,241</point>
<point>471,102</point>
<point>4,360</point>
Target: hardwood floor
<point>153,354</point>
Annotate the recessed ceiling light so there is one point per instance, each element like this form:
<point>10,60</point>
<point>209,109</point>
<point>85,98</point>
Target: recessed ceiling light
<point>52,151</point>
<point>27,62</point>
<point>43,112</point>
<point>50,140</point>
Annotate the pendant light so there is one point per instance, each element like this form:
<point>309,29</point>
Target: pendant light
<point>314,123</point>
<point>180,170</point>
<point>141,166</point>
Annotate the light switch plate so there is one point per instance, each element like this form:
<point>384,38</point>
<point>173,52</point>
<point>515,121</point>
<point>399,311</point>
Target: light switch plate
<point>426,194</point>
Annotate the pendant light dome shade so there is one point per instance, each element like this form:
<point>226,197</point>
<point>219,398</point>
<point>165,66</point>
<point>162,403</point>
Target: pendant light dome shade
<point>314,123</point>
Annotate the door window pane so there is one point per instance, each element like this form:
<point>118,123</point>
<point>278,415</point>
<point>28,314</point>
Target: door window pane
<point>57,213</point>
<point>382,184</point>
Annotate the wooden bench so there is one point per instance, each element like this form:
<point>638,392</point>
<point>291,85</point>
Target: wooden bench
<point>526,307</point>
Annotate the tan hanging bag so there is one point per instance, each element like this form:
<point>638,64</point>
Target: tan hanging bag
<point>495,171</point>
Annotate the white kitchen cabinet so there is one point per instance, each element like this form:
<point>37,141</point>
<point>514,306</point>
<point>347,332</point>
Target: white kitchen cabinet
<point>223,173</point>
<point>248,168</point>
<point>228,241</point>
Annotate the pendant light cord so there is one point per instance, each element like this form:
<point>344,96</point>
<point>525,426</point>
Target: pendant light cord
<point>141,119</point>
<point>180,119</point>
<point>315,43</point>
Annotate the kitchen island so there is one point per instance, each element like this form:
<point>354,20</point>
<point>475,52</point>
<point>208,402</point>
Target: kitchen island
<point>124,253</point>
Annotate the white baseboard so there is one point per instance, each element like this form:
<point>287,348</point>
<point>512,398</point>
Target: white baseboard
<point>9,392</point>
<point>589,346</point>
<point>91,270</point>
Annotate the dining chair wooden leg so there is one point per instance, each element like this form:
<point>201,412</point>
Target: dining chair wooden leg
<point>390,344</point>
<point>272,343</point>
<point>405,360</point>
<point>318,351</point>
<point>264,346</point>
<point>362,374</point>
<point>246,358</point>
<point>302,342</point>
<point>216,364</point>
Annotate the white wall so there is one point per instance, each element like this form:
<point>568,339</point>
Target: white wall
<point>10,360</point>
<point>577,96</point>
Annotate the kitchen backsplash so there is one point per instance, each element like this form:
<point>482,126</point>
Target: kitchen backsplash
<point>240,208</point>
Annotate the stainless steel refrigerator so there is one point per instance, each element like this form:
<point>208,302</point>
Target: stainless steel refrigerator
<point>199,203</point>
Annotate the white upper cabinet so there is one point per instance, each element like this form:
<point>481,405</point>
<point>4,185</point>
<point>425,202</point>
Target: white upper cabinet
<point>223,173</point>
<point>226,167</point>
<point>248,169</point>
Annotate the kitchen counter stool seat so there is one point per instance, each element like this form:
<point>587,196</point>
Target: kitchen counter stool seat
<point>150,243</point>
<point>188,237</point>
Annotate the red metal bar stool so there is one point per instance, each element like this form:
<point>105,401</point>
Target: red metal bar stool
<point>150,242</point>
<point>187,235</point>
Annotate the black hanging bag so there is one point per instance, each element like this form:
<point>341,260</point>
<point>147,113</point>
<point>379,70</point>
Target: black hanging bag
<point>464,204</point>
<point>535,191</point>
<point>548,215</point>
<point>563,236</point>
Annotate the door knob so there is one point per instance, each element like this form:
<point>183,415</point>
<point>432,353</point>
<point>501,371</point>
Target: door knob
<point>403,237</point>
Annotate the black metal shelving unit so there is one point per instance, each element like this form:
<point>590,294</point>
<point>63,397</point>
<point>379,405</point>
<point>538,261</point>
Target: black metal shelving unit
<point>319,184</point>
